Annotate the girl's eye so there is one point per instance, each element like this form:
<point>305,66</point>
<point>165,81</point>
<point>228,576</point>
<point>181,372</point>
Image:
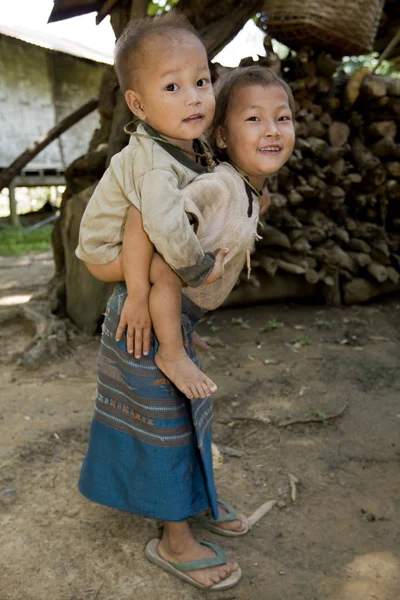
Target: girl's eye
<point>171,87</point>
<point>253,119</point>
<point>202,82</point>
<point>284,118</point>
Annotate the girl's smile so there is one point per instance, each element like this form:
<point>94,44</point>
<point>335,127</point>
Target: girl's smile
<point>258,133</point>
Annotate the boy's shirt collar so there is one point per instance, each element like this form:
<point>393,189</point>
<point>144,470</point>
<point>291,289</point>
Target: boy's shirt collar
<point>176,153</point>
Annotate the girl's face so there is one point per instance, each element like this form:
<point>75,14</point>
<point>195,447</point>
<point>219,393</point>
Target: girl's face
<point>258,133</point>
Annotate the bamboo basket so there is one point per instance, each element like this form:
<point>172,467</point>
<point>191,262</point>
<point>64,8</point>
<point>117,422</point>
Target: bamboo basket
<point>345,27</point>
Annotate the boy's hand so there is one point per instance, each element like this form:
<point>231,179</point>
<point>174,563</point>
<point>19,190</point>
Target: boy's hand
<point>218,269</point>
<point>265,201</point>
<point>135,318</point>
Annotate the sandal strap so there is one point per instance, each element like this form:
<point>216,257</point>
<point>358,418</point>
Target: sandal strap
<point>203,563</point>
<point>231,514</point>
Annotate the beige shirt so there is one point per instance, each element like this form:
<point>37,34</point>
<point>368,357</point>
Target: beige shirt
<point>221,205</point>
<point>150,176</point>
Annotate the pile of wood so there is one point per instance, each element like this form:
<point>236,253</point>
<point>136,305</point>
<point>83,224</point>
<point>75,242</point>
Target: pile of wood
<point>334,220</point>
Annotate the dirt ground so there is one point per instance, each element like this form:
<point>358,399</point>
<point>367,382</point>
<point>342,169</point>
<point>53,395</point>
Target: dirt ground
<point>338,540</point>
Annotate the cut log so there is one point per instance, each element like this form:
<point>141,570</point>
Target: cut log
<point>384,147</point>
<point>295,198</point>
<point>382,129</point>
<point>353,86</point>
<point>364,158</point>
<point>274,237</point>
<point>361,290</point>
<point>393,169</point>
<point>302,245</point>
<point>338,134</point>
<point>269,265</point>
<point>290,267</point>
<point>393,275</point>
<point>361,259</point>
<point>374,87</point>
<point>359,245</point>
<point>378,271</point>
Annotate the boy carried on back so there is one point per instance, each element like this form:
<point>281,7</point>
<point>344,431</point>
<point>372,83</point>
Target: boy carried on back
<point>141,190</point>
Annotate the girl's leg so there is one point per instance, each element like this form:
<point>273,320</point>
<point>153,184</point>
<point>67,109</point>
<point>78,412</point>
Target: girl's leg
<point>178,545</point>
<point>165,312</point>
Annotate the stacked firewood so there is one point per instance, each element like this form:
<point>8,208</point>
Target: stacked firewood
<point>334,219</point>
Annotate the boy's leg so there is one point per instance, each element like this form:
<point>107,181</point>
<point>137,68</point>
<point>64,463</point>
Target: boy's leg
<point>110,272</point>
<point>165,311</point>
<point>178,545</point>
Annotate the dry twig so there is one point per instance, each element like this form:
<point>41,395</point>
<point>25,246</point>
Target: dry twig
<point>322,418</point>
<point>260,512</point>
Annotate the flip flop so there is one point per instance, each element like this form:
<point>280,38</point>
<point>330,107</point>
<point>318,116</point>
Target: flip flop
<point>178,569</point>
<point>209,523</point>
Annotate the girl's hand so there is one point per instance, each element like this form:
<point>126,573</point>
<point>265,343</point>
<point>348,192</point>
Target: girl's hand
<point>218,269</point>
<point>135,318</point>
<point>265,201</point>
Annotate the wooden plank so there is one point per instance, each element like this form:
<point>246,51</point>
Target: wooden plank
<point>14,218</point>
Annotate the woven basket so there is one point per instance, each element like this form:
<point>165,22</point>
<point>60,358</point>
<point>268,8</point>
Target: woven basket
<point>346,27</point>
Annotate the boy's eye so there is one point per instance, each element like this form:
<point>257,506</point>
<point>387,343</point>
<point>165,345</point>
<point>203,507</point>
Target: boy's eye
<point>202,82</point>
<point>171,87</point>
<point>253,119</point>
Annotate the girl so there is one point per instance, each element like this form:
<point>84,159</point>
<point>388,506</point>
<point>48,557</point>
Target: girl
<point>150,447</point>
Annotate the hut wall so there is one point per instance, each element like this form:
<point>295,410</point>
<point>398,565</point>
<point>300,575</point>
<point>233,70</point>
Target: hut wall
<point>38,87</point>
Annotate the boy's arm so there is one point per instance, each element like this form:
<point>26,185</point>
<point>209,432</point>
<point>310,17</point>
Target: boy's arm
<point>137,252</point>
<point>168,227</point>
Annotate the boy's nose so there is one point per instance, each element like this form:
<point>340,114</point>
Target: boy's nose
<point>193,96</point>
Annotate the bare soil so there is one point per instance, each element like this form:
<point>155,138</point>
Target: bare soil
<point>338,540</point>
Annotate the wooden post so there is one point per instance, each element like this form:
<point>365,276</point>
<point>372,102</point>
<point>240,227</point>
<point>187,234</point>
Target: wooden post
<point>14,218</point>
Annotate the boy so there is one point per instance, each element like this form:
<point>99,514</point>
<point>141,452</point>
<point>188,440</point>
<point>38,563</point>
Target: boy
<point>173,97</point>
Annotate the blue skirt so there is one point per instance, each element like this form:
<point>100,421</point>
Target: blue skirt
<point>150,447</point>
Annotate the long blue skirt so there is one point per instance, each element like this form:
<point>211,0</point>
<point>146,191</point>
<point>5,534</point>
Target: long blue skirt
<point>150,447</point>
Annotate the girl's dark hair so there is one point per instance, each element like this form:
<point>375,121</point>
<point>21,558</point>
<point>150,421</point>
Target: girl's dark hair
<point>128,48</point>
<point>229,84</point>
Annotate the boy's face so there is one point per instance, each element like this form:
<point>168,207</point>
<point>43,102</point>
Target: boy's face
<point>258,133</point>
<point>172,92</point>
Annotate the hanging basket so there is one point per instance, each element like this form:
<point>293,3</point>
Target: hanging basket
<point>345,27</point>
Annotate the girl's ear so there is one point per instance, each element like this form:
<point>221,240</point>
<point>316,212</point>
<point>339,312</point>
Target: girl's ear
<point>219,138</point>
<point>132,99</point>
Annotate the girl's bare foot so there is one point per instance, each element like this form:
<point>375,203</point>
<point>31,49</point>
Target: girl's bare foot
<point>182,371</point>
<point>178,545</point>
<point>238,525</point>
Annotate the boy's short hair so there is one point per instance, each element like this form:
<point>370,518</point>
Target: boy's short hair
<point>127,54</point>
<point>235,80</point>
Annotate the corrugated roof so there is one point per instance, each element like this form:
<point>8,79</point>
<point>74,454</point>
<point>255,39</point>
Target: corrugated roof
<point>47,40</point>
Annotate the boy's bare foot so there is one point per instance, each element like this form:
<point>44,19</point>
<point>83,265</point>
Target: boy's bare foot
<point>199,343</point>
<point>182,371</point>
<point>185,549</point>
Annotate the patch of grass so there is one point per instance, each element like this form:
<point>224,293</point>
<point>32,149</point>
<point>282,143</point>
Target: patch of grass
<point>304,340</point>
<point>239,321</point>
<point>16,241</point>
<point>271,325</point>
<point>318,415</point>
